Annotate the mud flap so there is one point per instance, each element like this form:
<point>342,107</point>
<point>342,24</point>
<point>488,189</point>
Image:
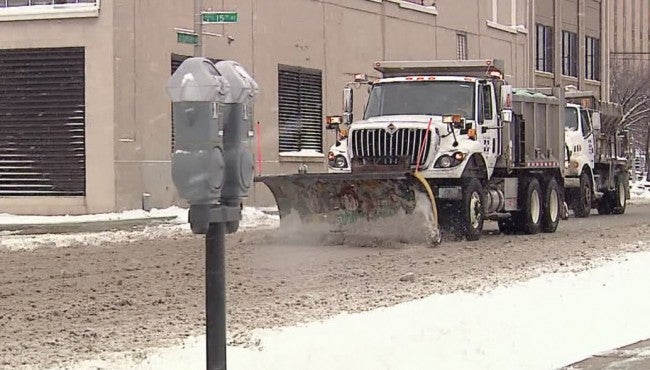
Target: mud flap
<point>341,200</point>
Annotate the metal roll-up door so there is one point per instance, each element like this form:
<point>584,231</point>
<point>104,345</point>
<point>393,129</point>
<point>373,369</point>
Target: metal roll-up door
<point>42,122</point>
<point>300,109</point>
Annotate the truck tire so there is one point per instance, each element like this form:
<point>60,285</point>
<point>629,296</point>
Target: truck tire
<point>618,198</point>
<point>605,204</point>
<point>582,203</point>
<point>551,207</point>
<point>472,214</point>
<point>529,218</point>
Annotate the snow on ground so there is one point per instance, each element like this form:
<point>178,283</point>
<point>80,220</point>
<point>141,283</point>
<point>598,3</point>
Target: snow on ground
<point>251,218</point>
<point>640,192</point>
<point>180,213</point>
<point>544,323</point>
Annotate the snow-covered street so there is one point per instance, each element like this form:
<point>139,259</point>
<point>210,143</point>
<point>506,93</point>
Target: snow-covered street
<point>506,302</point>
<point>544,323</point>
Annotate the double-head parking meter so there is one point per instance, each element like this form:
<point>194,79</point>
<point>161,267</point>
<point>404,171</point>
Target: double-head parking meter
<point>212,166</point>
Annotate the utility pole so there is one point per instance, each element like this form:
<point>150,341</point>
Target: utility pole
<point>198,28</point>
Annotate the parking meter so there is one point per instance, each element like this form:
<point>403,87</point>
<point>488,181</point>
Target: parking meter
<point>238,103</point>
<point>212,166</point>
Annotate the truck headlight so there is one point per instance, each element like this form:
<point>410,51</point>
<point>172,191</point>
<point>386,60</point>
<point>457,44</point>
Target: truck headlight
<point>444,161</point>
<point>447,161</point>
<point>340,162</point>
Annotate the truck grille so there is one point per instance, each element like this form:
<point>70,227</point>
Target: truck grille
<point>380,147</point>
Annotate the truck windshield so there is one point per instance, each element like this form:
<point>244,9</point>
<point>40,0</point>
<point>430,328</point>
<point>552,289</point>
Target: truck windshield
<point>571,118</point>
<point>421,97</point>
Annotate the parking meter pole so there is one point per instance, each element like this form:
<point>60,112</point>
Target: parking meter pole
<point>215,297</point>
<point>213,167</point>
<point>198,28</point>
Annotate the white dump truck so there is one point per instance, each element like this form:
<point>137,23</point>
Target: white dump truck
<point>484,149</point>
<point>597,166</point>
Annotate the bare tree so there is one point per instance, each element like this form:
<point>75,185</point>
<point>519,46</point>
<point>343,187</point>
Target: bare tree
<point>630,84</point>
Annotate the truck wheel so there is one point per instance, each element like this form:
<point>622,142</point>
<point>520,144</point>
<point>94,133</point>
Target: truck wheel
<point>472,212</point>
<point>530,216</point>
<point>605,204</point>
<point>551,209</point>
<point>619,201</point>
<point>582,205</point>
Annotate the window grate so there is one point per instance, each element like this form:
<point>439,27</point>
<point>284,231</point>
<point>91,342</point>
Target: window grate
<point>461,46</point>
<point>569,53</point>
<point>300,109</point>
<point>592,58</point>
<point>42,122</point>
<point>544,52</point>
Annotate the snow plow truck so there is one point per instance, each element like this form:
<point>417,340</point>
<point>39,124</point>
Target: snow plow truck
<point>449,139</point>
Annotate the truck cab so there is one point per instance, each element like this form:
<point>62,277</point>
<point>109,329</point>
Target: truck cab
<point>430,123</point>
<point>596,167</point>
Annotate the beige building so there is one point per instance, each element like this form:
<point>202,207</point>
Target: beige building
<point>85,123</point>
<point>630,30</point>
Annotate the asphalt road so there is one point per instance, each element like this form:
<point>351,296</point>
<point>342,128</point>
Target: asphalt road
<point>74,303</point>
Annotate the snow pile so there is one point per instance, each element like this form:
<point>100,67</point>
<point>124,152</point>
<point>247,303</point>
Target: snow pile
<point>544,323</point>
<point>7,219</point>
<point>640,192</point>
<point>177,226</point>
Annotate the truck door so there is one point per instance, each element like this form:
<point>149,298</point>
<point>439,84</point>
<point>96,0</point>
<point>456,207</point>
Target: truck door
<point>587,133</point>
<point>487,127</point>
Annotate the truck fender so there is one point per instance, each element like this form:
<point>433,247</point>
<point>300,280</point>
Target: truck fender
<point>476,168</point>
<point>586,169</point>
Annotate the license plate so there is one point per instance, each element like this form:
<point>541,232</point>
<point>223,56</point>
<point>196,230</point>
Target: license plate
<point>450,193</point>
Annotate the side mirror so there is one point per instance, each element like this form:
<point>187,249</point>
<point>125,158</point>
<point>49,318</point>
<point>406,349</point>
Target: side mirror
<point>348,101</point>
<point>595,121</point>
<point>506,116</point>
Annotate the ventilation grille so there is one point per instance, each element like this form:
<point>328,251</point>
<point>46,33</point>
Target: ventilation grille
<point>42,122</point>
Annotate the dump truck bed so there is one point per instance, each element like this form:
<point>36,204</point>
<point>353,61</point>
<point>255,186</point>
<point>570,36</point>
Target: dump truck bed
<point>538,141</point>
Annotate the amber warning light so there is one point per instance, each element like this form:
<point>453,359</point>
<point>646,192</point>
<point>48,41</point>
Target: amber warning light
<point>331,122</point>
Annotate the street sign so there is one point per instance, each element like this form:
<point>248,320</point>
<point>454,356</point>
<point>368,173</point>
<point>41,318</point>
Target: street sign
<point>187,38</point>
<point>219,17</point>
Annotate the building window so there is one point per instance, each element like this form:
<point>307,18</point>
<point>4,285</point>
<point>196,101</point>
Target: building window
<point>42,122</point>
<point>544,53</point>
<point>300,106</point>
<point>14,3</point>
<point>569,53</point>
<point>461,46</point>
<point>592,58</point>
<point>14,10</point>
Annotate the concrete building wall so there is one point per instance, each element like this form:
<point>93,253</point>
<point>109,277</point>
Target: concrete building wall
<point>584,18</point>
<point>94,34</point>
<point>338,37</point>
<point>630,30</point>
<point>129,48</point>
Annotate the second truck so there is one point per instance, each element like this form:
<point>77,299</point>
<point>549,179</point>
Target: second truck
<point>455,130</point>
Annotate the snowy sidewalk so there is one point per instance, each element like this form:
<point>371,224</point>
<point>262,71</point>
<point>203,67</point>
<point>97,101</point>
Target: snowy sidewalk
<point>544,323</point>
<point>28,232</point>
<point>635,356</point>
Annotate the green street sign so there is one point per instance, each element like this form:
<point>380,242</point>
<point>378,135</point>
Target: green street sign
<point>219,17</point>
<point>187,38</point>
